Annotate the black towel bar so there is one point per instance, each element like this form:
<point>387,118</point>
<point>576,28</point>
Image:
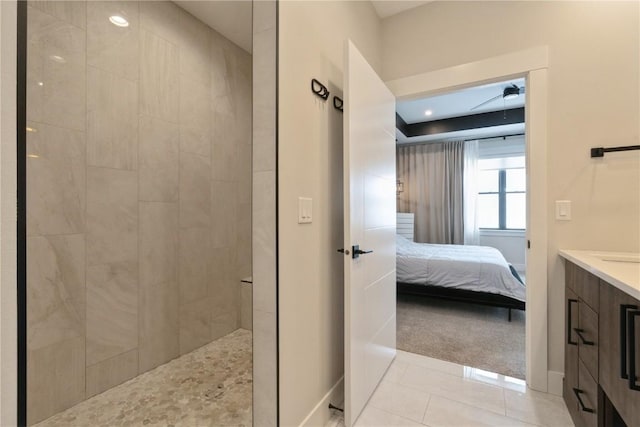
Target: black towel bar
<point>599,151</point>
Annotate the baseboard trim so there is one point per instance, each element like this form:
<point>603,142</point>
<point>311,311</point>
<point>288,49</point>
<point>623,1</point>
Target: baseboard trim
<point>554,382</point>
<point>320,414</point>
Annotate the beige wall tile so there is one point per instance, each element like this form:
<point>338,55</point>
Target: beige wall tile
<point>162,19</point>
<point>195,266</point>
<point>159,324</point>
<point>225,283</point>
<point>226,165</point>
<point>55,378</point>
<point>223,324</point>
<point>223,214</point>
<point>111,372</point>
<point>195,190</point>
<point>264,238</point>
<point>159,77</point>
<point>195,321</point>
<point>110,47</point>
<point>73,12</point>
<point>195,142</point>
<point>112,310</point>
<point>195,104</point>
<point>112,120</point>
<point>195,48</point>
<point>158,243</point>
<point>56,289</point>
<point>56,63</point>
<point>246,309</point>
<point>159,160</point>
<point>56,173</point>
<point>112,216</point>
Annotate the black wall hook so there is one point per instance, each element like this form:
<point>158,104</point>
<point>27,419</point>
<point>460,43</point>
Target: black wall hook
<point>338,103</point>
<point>319,89</point>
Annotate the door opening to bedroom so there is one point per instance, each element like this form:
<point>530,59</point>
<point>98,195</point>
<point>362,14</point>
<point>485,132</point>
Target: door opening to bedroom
<point>461,229</point>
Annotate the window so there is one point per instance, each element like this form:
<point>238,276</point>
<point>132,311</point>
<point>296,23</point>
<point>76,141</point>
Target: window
<point>502,187</point>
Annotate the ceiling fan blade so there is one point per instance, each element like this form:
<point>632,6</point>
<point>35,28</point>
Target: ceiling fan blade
<point>487,101</point>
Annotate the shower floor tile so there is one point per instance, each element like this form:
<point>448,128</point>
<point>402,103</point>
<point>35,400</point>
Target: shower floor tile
<point>210,386</point>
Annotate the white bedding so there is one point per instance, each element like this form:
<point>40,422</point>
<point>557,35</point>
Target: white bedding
<point>474,268</point>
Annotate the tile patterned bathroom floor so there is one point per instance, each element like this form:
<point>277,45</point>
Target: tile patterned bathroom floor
<point>210,386</point>
<point>421,391</point>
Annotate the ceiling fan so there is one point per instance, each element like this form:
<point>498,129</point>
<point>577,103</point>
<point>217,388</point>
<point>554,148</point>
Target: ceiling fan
<point>509,92</point>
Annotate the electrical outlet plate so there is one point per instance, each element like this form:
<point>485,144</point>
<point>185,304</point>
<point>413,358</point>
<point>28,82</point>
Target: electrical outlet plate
<point>305,210</point>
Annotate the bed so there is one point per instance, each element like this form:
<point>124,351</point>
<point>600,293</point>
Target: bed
<point>477,274</point>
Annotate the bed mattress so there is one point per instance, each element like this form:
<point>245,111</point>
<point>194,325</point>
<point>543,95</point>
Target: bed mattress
<point>473,268</point>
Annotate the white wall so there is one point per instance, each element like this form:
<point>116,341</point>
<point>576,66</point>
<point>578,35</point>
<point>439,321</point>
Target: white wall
<point>509,242</point>
<point>311,37</point>
<point>8,309</point>
<point>593,101</point>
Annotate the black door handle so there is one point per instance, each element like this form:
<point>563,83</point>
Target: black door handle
<point>584,341</point>
<point>578,392</point>
<point>357,251</point>
<point>632,350</point>
<point>569,328</point>
<point>623,338</point>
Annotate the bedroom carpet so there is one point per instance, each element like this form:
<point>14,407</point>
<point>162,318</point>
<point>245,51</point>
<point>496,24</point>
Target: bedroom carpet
<point>468,334</point>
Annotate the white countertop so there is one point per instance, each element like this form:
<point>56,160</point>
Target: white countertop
<point>615,268</point>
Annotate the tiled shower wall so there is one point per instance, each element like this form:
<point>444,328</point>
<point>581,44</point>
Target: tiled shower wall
<point>139,193</point>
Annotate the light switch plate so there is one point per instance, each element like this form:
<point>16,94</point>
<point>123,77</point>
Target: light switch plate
<point>563,210</point>
<point>305,210</point>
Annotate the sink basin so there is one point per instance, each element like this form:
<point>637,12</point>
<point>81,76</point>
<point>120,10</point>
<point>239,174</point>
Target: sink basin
<point>634,259</point>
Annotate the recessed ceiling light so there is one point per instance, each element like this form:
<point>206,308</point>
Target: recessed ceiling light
<point>40,83</point>
<point>33,156</point>
<point>118,21</point>
<point>57,58</point>
<point>30,129</point>
<point>428,113</point>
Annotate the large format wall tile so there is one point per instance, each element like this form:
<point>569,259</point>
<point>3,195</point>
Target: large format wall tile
<point>55,378</point>
<point>159,324</point>
<point>159,78</point>
<point>73,12</point>
<point>195,266</point>
<point>223,214</point>
<point>195,105</point>
<point>159,160</point>
<point>112,216</point>
<point>225,148</point>
<point>195,190</point>
<point>195,48</point>
<point>56,64</point>
<point>112,310</point>
<point>56,291</point>
<point>224,285</point>
<point>112,120</point>
<point>111,372</point>
<point>195,320</point>
<point>162,19</point>
<point>110,47</point>
<point>56,173</point>
<point>158,243</point>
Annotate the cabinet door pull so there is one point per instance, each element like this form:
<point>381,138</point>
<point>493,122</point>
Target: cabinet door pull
<point>584,341</point>
<point>632,350</point>
<point>623,338</point>
<point>569,328</point>
<point>578,392</point>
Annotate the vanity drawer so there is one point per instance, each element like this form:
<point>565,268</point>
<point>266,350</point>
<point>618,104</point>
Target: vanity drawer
<point>587,395</point>
<point>588,288</point>
<point>587,336</point>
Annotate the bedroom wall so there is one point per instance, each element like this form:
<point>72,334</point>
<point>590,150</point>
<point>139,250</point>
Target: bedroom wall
<point>593,101</point>
<point>311,44</point>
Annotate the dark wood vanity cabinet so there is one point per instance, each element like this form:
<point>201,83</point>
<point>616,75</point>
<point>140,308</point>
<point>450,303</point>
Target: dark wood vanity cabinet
<point>601,351</point>
<point>619,329</point>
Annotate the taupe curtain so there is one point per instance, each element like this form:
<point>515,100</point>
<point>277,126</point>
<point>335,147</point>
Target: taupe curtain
<point>432,181</point>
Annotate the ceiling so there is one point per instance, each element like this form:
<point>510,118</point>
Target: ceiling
<point>231,18</point>
<point>386,8</point>
<point>457,104</point>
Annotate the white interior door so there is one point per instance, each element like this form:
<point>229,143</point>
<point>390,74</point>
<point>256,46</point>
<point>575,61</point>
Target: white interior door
<point>370,223</point>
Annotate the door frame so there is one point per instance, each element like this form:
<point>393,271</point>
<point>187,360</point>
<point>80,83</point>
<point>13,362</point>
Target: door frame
<point>532,64</point>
